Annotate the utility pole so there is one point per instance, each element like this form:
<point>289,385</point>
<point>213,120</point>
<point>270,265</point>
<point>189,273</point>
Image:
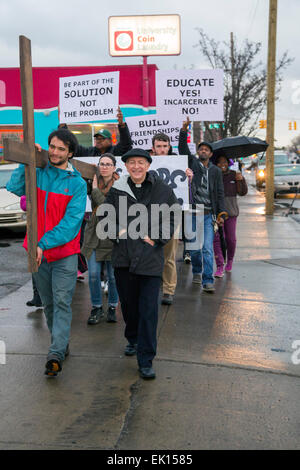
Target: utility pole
<point>232,119</point>
<point>271,81</point>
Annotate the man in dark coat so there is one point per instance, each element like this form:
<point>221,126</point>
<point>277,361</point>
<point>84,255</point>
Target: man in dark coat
<point>208,191</point>
<point>138,258</point>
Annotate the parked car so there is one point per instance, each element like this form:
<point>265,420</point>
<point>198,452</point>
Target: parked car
<point>286,179</point>
<point>294,158</point>
<point>280,158</point>
<point>11,215</point>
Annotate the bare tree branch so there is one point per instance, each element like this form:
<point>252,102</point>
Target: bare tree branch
<point>244,104</point>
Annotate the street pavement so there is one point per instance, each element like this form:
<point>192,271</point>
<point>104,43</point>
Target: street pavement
<point>227,374</point>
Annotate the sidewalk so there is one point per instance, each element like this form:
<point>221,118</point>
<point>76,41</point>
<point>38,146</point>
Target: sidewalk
<point>225,376</point>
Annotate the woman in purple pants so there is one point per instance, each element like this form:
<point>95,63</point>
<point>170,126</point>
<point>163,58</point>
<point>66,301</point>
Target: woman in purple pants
<point>234,184</point>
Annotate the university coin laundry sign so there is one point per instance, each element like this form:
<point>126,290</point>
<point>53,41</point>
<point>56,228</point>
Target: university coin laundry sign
<point>144,35</point>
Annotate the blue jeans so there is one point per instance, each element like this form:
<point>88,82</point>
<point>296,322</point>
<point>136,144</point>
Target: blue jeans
<point>95,282</point>
<point>203,259</point>
<point>56,284</point>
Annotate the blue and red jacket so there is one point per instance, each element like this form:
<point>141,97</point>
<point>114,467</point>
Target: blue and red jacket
<point>61,202</point>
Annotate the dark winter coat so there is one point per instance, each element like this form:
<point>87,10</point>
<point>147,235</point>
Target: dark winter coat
<point>215,180</point>
<point>232,188</point>
<point>139,256</point>
<point>215,184</point>
<point>91,242</point>
<point>183,147</point>
<point>122,147</point>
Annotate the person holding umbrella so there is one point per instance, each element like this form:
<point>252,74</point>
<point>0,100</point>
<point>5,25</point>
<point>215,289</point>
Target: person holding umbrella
<point>234,184</point>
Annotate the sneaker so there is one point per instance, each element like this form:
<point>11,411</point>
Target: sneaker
<point>228,267</point>
<point>95,316</point>
<point>35,302</point>
<point>111,315</point>
<point>197,279</point>
<point>209,288</point>
<point>130,349</point>
<point>167,299</point>
<point>80,276</point>
<point>187,258</point>
<point>147,373</point>
<point>219,272</point>
<point>53,366</point>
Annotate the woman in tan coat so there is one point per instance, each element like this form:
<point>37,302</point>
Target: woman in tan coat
<point>99,251</point>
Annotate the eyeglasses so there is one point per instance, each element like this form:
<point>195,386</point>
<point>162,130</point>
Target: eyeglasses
<point>106,164</point>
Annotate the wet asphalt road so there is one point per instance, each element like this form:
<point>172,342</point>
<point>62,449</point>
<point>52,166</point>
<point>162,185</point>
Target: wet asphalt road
<point>13,266</point>
<point>226,377</point>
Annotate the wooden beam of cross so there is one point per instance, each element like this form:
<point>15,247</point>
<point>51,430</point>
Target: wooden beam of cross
<point>26,153</point>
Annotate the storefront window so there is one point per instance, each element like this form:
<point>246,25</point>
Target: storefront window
<point>9,132</point>
<point>85,132</point>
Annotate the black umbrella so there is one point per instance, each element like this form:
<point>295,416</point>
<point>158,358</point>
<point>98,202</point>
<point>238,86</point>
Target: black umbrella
<point>223,242</point>
<point>237,147</point>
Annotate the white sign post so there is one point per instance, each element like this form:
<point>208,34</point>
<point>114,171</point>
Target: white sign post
<point>194,93</point>
<point>89,98</point>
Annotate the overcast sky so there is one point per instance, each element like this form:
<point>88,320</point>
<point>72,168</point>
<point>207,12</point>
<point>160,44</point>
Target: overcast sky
<point>75,32</point>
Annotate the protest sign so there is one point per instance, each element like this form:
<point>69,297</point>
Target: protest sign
<point>170,168</point>
<point>143,128</point>
<point>194,93</point>
<point>85,98</point>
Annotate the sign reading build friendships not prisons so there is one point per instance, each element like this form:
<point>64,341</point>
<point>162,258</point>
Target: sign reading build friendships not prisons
<point>170,168</point>
<point>143,128</point>
<point>85,98</point>
<point>194,93</point>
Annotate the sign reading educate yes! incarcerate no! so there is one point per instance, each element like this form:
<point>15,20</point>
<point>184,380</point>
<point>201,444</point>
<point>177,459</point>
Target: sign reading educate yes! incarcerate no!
<point>194,93</point>
<point>86,98</point>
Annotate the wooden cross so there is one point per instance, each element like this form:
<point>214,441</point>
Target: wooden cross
<point>26,153</point>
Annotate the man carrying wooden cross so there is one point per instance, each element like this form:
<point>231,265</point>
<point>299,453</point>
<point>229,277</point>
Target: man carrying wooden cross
<point>61,201</point>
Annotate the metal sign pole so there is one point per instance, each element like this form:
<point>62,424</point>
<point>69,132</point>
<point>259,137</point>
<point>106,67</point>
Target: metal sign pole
<point>145,83</point>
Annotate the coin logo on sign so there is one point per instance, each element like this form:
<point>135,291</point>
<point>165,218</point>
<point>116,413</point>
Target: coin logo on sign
<point>123,40</point>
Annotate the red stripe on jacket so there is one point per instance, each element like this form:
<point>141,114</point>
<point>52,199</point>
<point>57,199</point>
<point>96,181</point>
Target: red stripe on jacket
<point>55,211</point>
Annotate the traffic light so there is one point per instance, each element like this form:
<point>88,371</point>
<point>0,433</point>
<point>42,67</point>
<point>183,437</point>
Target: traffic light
<point>263,124</point>
<point>292,126</point>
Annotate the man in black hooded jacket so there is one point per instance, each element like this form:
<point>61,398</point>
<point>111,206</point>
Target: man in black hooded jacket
<point>103,141</point>
<point>207,189</point>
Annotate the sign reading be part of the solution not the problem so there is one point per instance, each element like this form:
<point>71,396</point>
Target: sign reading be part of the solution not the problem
<point>85,98</point>
<point>194,93</point>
